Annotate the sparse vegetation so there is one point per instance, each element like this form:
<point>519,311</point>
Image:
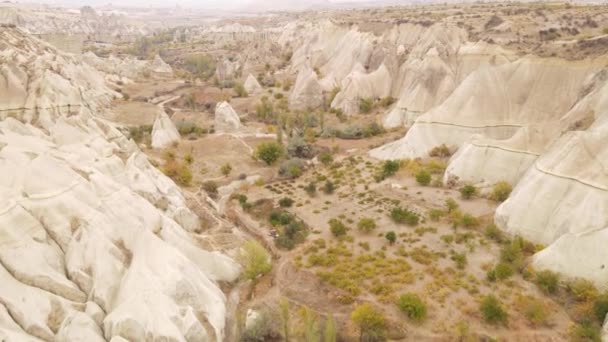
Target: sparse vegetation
<point>366,225</point>
<point>468,191</point>
<point>412,306</point>
<point>501,191</point>
<point>423,177</point>
<point>492,311</point>
<point>269,152</point>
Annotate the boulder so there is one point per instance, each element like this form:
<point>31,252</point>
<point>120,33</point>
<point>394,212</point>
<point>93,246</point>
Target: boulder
<point>226,119</point>
<point>307,92</point>
<point>252,86</point>
<point>164,132</point>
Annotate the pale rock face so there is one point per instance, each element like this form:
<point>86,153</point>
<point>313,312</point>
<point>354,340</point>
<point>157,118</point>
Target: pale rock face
<point>307,92</point>
<point>128,68</point>
<point>112,259</point>
<point>495,101</point>
<point>561,201</point>
<point>252,86</point>
<point>226,119</point>
<point>164,132</point>
<point>227,70</point>
<point>357,86</point>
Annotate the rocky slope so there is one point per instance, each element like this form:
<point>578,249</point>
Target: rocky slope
<point>537,123</point>
<point>44,19</point>
<point>97,244</point>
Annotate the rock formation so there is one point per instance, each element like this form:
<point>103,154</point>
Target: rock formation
<point>130,67</point>
<point>358,85</point>
<point>307,92</point>
<point>88,251</point>
<point>164,132</point>
<point>252,86</point>
<point>226,119</point>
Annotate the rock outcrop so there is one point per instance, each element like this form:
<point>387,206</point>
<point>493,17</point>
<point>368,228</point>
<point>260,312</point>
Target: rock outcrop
<point>358,86</point>
<point>94,240</point>
<point>129,67</point>
<point>251,85</point>
<point>307,92</point>
<point>164,132</point>
<point>226,119</point>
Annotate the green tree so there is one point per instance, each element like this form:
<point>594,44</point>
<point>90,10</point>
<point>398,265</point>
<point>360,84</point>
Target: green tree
<point>254,259</point>
<point>269,152</point>
<point>412,306</point>
<point>391,237</point>
<point>370,321</point>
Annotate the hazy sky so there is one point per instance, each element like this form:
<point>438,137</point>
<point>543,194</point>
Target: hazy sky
<point>188,3</point>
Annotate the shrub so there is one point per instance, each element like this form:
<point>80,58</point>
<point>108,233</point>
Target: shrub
<point>366,225</point>
<point>492,232</point>
<point>189,159</point>
<point>460,259</point>
<point>404,216</point>
<point>255,260</point>
<point>370,321</point>
<point>547,281</point>
<point>285,202</point>
<point>412,306</point>
<point>441,151</point>
<point>501,191</point>
<point>387,101</point>
<point>329,187</point>
<point>326,158</point>
<point>469,221</point>
<point>583,290</point>
<point>337,227</point>
<point>586,331</point>
<point>468,191</point>
<point>298,147</point>
<point>226,169</point>
<point>262,329</point>
<point>535,311</point>
<point>600,307</point>
<point>180,173</point>
<point>503,271</point>
<point>292,168</point>
<point>240,90</point>
<point>210,187</point>
<point>492,310</point>
<point>201,65</point>
<point>366,105</point>
<point>269,152</point>
<point>389,168</point>
<point>423,177</point>
<point>391,237</point>
<point>451,205</point>
<point>311,189</point>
